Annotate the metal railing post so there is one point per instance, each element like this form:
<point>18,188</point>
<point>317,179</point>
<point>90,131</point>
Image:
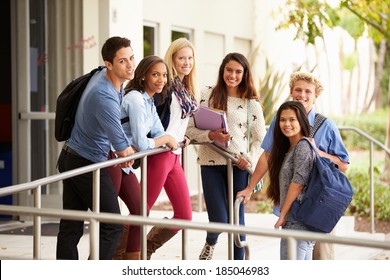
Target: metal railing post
<point>144,211</point>
<point>184,239</point>
<point>372,191</point>
<point>94,225</point>
<point>37,224</point>
<point>93,239</point>
<point>291,248</point>
<point>184,232</point>
<point>231,208</point>
<point>200,195</point>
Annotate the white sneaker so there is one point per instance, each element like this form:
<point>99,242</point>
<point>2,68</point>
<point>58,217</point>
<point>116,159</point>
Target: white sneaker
<point>207,252</point>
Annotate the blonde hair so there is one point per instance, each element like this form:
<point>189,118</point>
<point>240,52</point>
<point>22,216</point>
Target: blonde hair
<point>174,47</point>
<point>307,77</point>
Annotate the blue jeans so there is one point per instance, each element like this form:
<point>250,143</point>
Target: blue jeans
<point>215,191</point>
<point>304,247</point>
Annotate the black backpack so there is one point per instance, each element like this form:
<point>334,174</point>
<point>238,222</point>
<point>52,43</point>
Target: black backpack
<point>67,103</point>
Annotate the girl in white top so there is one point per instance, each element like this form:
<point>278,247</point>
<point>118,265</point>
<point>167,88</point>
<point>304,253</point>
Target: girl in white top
<point>235,94</point>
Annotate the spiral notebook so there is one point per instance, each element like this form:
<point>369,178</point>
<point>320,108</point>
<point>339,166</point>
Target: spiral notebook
<point>211,119</point>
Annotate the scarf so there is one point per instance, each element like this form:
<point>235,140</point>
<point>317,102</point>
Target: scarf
<point>187,101</point>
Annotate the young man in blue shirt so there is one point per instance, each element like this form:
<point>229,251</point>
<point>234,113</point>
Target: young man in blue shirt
<point>97,127</point>
<point>305,88</point>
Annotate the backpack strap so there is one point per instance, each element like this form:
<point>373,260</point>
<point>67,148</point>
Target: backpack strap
<point>318,121</point>
<point>315,151</point>
<point>125,120</point>
<point>163,108</point>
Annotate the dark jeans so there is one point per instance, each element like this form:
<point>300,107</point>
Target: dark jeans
<point>129,190</point>
<point>77,195</point>
<point>215,191</point>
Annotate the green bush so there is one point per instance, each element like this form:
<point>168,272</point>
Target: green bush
<point>265,206</point>
<point>360,205</point>
<point>373,124</point>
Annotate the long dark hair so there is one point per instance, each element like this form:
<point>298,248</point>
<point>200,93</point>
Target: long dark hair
<point>281,145</point>
<point>142,70</point>
<point>219,96</point>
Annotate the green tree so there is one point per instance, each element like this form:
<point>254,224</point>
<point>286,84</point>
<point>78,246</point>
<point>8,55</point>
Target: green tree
<point>311,17</point>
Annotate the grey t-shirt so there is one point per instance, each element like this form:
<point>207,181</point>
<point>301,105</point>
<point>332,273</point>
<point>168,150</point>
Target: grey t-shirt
<point>296,167</point>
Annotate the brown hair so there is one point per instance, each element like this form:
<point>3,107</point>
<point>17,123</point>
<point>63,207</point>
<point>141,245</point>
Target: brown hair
<point>246,89</point>
<point>112,45</point>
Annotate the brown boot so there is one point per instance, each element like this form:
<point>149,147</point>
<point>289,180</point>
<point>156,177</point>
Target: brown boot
<point>132,255</point>
<point>122,244</point>
<point>157,237</point>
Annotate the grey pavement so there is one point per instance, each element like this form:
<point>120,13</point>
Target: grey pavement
<point>20,247</point>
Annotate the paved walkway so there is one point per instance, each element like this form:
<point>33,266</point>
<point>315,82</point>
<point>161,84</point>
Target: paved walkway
<point>17,247</point>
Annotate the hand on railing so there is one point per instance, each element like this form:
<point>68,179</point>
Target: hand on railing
<point>242,163</point>
<point>127,152</point>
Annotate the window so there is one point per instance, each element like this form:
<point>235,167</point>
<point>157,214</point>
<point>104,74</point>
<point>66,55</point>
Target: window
<point>150,39</point>
<point>180,33</point>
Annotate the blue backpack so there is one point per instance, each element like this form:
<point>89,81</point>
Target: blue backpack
<point>326,197</point>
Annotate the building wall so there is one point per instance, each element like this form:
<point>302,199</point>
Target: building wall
<point>76,30</point>
<point>217,26</point>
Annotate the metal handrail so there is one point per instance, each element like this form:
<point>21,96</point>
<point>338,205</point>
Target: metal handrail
<point>74,172</point>
<point>185,224</point>
<point>372,189</point>
<point>233,208</point>
<point>38,212</point>
<point>35,186</point>
<point>244,244</point>
<point>367,136</point>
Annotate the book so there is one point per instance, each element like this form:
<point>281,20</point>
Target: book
<point>211,119</point>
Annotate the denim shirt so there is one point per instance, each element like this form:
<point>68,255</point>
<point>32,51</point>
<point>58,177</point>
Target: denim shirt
<point>143,119</point>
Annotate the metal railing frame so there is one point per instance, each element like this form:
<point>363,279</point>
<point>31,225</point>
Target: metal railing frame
<point>371,160</point>
<point>233,208</point>
<point>95,217</point>
<point>290,235</point>
<point>36,185</point>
